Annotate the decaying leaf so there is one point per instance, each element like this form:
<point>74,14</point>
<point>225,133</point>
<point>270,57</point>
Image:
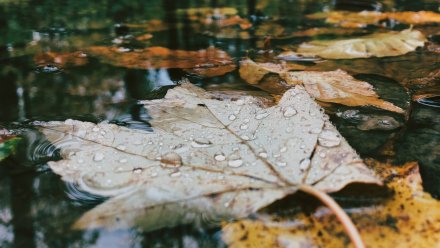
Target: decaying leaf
<point>8,143</point>
<point>375,45</point>
<point>332,86</point>
<point>61,59</point>
<point>212,71</point>
<point>327,31</point>
<point>205,160</point>
<point>364,18</point>
<point>410,218</point>
<point>149,26</point>
<point>160,57</point>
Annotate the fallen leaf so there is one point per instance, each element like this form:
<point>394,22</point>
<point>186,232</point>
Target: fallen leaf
<point>61,59</point>
<point>149,26</point>
<point>375,45</point>
<point>362,19</point>
<point>332,86</point>
<point>327,31</point>
<point>8,143</point>
<point>206,160</point>
<point>194,13</point>
<point>410,218</point>
<point>211,71</point>
<point>160,57</point>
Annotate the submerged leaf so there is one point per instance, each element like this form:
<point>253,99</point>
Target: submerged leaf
<point>375,45</point>
<point>161,57</point>
<point>61,59</point>
<point>332,86</point>
<point>206,159</point>
<point>410,218</point>
<point>362,19</point>
<point>8,143</point>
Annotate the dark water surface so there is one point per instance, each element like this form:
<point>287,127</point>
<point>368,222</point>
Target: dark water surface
<point>37,207</point>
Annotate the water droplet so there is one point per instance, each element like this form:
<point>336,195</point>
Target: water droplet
<point>276,155</point>
<point>227,204</point>
<point>283,149</point>
<point>322,154</point>
<point>245,137</point>
<point>123,160</point>
<point>219,157</point>
<point>119,169</point>
<point>153,174</point>
<point>328,138</point>
<point>261,115</point>
<point>235,163</point>
<point>121,147</point>
<point>201,142</point>
<point>80,161</point>
<point>176,174</point>
<point>171,160</point>
<point>137,142</point>
<point>232,117</point>
<point>137,170</point>
<point>289,111</point>
<point>98,157</point>
<point>246,120</point>
<point>281,164</point>
<point>239,102</point>
<point>262,154</point>
<point>304,164</point>
<point>289,129</point>
<point>243,126</point>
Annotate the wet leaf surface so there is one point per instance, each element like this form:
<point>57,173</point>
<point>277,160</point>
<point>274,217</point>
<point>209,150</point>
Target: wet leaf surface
<point>334,86</point>
<point>206,160</point>
<point>375,45</point>
<point>362,19</point>
<point>161,57</point>
<point>409,218</point>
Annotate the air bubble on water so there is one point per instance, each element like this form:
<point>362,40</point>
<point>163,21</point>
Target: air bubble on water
<point>235,163</point>
<point>80,161</point>
<point>246,120</point>
<point>123,160</point>
<point>243,126</point>
<point>245,137</point>
<point>289,112</point>
<point>171,160</point>
<point>283,149</point>
<point>98,157</point>
<point>289,129</point>
<point>328,138</point>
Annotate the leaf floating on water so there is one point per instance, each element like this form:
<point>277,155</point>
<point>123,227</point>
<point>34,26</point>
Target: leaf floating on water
<point>375,45</point>
<point>409,218</point>
<point>61,59</point>
<point>211,70</point>
<point>332,86</point>
<point>206,160</point>
<point>160,57</point>
<point>362,19</point>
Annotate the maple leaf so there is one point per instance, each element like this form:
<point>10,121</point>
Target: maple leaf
<point>206,160</point>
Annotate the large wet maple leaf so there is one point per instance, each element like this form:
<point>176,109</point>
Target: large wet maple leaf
<point>331,86</point>
<point>205,160</point>
<point>374,45</point>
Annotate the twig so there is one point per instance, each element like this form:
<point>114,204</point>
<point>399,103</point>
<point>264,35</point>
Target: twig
<point>346,222</point>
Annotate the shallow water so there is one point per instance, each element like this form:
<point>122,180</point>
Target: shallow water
<point>37,207</point>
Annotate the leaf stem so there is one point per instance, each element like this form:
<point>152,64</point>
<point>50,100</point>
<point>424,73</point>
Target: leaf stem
<point>346,222</point>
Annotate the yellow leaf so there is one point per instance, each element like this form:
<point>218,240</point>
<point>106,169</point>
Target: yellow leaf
<point>409,218</point>
<point>375,45</point>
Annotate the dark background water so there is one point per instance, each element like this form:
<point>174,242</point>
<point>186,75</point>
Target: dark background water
<point>37,207</point>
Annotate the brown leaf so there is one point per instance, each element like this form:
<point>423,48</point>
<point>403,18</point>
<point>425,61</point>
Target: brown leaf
<point>410,218</point>
<point>362,19</point>
<point>212,71</point>
<point>333,86</point>
<point>160,57</point>
<point>61,59</point>
<point>149,26</point>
